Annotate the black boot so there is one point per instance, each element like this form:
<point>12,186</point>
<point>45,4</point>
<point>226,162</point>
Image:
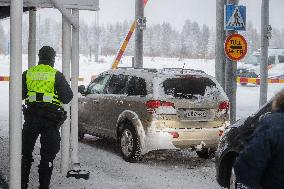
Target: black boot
<point>26,167</point>
<point>45,172</point>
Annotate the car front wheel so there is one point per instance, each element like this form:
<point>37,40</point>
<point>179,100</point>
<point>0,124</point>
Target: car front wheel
<point>129,144</point>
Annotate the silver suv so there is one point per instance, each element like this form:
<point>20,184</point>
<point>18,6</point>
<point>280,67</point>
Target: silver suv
<point>149,109</point>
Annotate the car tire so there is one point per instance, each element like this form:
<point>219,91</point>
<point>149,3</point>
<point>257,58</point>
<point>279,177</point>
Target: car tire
<point>233,182</point>
<point>129,144</point>
<point>205,153</point>
<point>81,135</point>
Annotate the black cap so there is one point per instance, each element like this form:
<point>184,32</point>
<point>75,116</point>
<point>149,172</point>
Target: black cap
<point>47,55</point>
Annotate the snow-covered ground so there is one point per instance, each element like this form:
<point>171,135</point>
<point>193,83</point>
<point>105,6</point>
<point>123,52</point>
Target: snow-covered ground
<point>159,170</point>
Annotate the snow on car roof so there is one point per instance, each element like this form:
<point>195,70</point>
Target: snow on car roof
<point>149,73</point>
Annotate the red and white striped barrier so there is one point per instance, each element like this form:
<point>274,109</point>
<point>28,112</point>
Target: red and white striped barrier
<point>257,80</point>
<point>4,78</point>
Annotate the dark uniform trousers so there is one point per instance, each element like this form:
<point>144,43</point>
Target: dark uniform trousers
<point>34,126</point>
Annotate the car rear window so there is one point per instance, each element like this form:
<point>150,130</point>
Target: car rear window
<point>189,87</point>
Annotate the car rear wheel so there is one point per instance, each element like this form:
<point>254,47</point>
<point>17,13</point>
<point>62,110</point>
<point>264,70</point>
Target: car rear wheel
<point>129,144</point>
<point>206,153</point>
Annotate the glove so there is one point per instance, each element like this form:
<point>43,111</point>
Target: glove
<point>62,117</point>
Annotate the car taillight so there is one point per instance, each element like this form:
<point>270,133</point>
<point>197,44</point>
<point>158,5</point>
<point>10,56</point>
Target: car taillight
<point>174,134</point>
<point>225,105</point>
<point>154,104</point>
<point>221,132</point>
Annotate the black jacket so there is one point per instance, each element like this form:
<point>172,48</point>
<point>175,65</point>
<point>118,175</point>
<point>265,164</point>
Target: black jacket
<point>62,87</point>
<point>261,163</point>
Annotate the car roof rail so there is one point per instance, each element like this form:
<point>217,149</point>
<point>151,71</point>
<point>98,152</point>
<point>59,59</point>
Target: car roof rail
<point>154,70</point>
<point>182,71</point>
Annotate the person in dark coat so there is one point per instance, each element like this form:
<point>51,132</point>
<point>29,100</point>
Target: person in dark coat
<point>44,90</point>
<point>261,163</point>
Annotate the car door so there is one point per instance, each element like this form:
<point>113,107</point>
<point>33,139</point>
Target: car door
<point>112,102</point>
<point>91,114</point>
<point>136,97</point>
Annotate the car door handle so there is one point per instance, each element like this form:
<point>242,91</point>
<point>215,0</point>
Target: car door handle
<point>119,102</point>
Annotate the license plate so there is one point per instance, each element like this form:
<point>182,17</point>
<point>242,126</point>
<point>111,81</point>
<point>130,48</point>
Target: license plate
<point>195,114</point>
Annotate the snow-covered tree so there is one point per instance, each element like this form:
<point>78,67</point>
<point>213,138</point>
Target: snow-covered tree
<point>203,42</point>
<point>85,45</point>
<point>166,39</point>
<point>148,42</point>
<point>195,39</point>
<point>211,44</point>
<point>277,40</point>
<point>252,37</point>
<point>186,42</point>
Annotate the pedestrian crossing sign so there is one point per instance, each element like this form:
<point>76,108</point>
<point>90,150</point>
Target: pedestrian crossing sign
<point>235,17</point>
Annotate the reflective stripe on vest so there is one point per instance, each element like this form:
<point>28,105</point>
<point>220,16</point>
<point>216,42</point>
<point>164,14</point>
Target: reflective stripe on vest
<point>40,82</point>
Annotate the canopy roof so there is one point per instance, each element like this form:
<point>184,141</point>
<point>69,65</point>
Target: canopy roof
<point>5,11</point>
<point>92,5</point>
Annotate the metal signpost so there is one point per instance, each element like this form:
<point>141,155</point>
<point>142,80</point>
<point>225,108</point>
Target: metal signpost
<point>265,35</point>
<point>235,20</point>
<point>140,26</point>
<point>219,46</point>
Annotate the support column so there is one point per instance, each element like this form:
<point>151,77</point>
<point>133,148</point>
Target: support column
<point>231,84</point>
<point>97,42</point>
<point>220,58</point>
<point>32,39</point>
<point>74,86</point>
<point>139,14</point>
<point>264,52</point>
<point>15,90</point>
<point>65,129</point>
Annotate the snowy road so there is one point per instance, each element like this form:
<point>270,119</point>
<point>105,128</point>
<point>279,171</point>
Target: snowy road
<point>159,170</point>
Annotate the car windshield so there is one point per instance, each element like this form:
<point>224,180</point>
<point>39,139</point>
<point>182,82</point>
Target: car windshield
<point>188,87</point>
<point>253,59</point>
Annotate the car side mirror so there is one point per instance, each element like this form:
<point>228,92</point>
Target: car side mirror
<point>81,89</point>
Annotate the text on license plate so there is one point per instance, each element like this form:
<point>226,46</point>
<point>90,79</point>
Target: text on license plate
<point>195,114</point>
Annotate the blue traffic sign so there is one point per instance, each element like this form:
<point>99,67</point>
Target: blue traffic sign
<point>235,17</point>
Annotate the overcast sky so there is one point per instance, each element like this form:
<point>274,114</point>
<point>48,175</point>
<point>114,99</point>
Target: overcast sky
<point>177,11</point>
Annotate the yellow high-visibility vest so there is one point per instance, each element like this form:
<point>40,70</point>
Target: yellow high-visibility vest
<point>40,82</point>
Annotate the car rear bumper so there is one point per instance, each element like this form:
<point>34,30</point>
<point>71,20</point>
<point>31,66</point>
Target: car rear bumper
<point>181,139</point>
<point>198,138</point>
